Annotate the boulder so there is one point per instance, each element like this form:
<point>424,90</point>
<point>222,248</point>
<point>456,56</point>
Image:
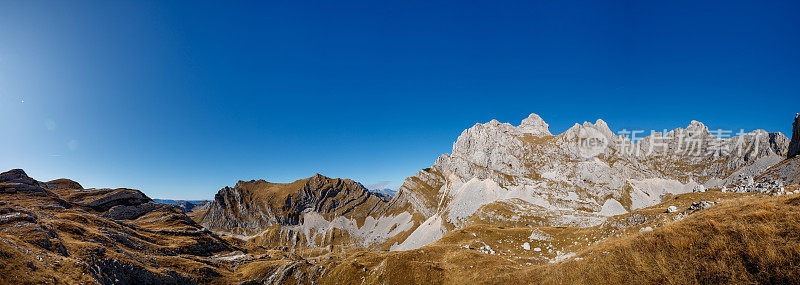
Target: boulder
<point>701,205</point>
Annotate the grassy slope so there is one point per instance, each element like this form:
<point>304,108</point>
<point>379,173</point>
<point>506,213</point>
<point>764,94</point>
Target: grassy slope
<point>750,240</point>
<point>741,240</point>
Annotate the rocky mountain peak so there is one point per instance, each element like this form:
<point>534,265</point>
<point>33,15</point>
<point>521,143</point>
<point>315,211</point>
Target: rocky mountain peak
<point>600,126</point>
<point>250,206</point>
<point>794,144</point>
<point>600,123</point>
<point>17,180</point>
<point>323,186</point>
<point>696,127</point>
<point>319,178</point>
<point>534,125</point>
<point>14,175</point>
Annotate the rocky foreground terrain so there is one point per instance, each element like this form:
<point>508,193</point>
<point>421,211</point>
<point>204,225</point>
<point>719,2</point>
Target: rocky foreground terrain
<point>509,203</point>
<point>59,232</point>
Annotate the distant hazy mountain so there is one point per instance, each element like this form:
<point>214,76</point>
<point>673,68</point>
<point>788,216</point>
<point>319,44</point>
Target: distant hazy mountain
<point>186,205</point>
<point>170,201</point>
<point>385,192</point>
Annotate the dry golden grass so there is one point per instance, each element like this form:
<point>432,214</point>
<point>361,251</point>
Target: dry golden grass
<point>743,241</point>
<point>51,243</point>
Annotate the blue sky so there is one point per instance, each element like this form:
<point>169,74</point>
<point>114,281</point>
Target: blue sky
<point>180,99</point>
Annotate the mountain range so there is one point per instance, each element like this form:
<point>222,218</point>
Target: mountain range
<point>555,178</point>
<point>509,202</point>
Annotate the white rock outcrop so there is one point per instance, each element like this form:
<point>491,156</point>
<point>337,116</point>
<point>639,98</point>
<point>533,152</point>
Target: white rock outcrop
<point>534,125</point>
<point>794,145</point>
<point>584,173</point>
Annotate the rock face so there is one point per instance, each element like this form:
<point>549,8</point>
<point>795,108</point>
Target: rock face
<point>131,212</point>
<point>534,125</point>
<point>587,171</point>
<point>16,180</point>
<point>105,199</point>
<point>257,204</point>
<point>794,145</point>
<point>501,174</point>
<point>307,207</point>
<point>785,171</point>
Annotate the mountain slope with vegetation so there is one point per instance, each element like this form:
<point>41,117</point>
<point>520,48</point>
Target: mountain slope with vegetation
<point>510,203</point>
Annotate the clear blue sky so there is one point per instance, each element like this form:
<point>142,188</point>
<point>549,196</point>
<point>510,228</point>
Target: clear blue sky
<point>181,99</point>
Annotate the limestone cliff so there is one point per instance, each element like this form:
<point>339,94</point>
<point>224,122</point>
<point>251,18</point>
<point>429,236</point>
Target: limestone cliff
<point>587,171</point>
<point>304,210</point>
<point>576,178</point>
<point>794,145</point>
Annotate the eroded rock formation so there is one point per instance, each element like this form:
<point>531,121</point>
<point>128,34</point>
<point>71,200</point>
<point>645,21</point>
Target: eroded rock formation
<point>577,178</point>
<point>58,232</point>
<point>794,145</point>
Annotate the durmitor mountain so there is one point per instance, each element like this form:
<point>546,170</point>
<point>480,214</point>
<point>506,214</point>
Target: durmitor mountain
<point>541,179</point>
<point>509,203</point>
